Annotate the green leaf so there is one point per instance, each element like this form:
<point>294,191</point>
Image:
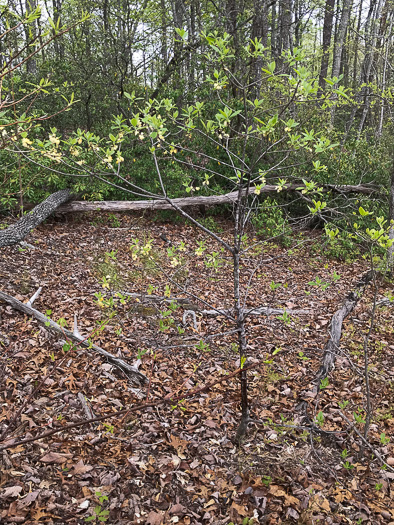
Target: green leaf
<point>363,213</point>
<point>51,23</point>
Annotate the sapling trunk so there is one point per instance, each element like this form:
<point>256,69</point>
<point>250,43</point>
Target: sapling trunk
<point>390,254</point>
<point>240,318</point>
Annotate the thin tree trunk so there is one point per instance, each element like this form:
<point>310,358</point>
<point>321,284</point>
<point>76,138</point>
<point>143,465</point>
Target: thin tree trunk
<point>240,316</point>
<point>369,63</point>
<point>31,35</point>
<point>357,38</point>
<point>384,77</point>
<point>285,33</point>
<point>390,255</point>
<point>274,32</point>
<point>338,47</point>
<point>259,32</point>
<point>327,33</point>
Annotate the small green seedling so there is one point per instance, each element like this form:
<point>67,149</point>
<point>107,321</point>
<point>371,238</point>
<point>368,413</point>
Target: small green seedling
<point>324,383</point>
<point>98,513</point>
<point>383,439</point>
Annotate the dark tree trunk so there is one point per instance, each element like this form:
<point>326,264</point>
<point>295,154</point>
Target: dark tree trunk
<point>18,231</point>
<point>340,40</point>
<point>327,32</point>
<point>259,32</point>
<point>285,34</point>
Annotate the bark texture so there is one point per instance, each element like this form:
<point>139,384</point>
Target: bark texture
<point>18,231</point>
<point>228,198</point>
<point>327,31</point>
<point>333,345</point>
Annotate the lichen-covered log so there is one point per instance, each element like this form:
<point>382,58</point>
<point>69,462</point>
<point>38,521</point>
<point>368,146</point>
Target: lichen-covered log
<point>228,198</point>
<point>17,232</point>
<point>333,345</point>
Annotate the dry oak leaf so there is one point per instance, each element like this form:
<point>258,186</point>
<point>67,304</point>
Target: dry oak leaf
<point>39,513</point>
<point>318,503</point>
<point>154,518</point>
<point>55,457</point>
<point>179,444</point>
<point>11,492</point>
<point>80,468</point>
<point>279,493</point>
<point>239,508</point>
<point>342,495</point>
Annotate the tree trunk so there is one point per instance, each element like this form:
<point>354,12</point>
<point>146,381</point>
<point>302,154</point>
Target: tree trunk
<point>336,65</point>
<point>259,32</point>
<point>285,33</point>
<point>383,88</point>
<point>369,62</point>
<point>18,231</point>
<point>31,35</point>
<point>338,46</point>
<point>390,255</point>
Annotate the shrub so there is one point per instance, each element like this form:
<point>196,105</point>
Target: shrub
<point>270,221</point>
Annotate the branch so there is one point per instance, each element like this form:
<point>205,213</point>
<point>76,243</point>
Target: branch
<point>129,370</point>
<point>332,346</point>
<point>168,400</point>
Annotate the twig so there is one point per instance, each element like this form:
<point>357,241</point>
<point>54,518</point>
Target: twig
<point>162,401</point>
<point>46,321</point>
<point>366,442</point>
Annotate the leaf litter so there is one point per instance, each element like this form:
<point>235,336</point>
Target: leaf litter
<point>176,462</point>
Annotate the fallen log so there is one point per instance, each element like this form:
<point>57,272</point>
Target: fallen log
<point>333,345</point>
<point>183,202</point>
<point>16,233</point>
<point>131,371</point>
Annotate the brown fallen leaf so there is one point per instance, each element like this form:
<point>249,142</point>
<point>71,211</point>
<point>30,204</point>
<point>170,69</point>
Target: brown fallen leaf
<point>11,492</point>
<point>55,457</point>
<point>277,491</point>
<point>239,508</point>
<point>28,499</point>
<point>154,518</point>
<point>319,503</point>
<point>80,468</point>
<point>291,500</point>
<point>178,509</point>
<point>39,513</point>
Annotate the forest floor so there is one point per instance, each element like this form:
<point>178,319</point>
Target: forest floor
<point>178,463</point>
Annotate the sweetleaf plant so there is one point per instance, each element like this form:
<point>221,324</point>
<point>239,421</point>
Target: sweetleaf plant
<point>246,138</point>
